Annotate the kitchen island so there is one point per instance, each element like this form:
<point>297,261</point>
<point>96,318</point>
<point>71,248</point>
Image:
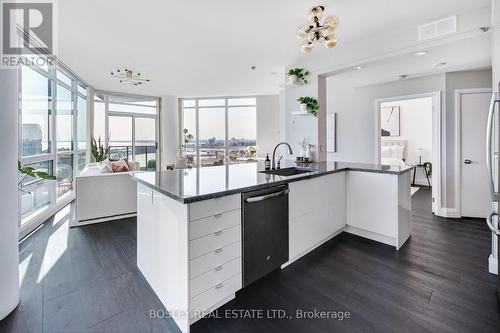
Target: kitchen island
<point>189,223</point>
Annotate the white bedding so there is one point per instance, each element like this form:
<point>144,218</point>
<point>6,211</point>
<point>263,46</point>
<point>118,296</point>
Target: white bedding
<point>393,161</point>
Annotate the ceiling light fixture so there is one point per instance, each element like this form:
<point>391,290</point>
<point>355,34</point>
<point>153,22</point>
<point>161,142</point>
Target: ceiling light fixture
<point>421,53</point>
<point>128,76</point>
<point>439,64</point>
<point>313,32</point>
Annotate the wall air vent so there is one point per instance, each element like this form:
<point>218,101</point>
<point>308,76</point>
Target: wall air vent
<point>437,28</point>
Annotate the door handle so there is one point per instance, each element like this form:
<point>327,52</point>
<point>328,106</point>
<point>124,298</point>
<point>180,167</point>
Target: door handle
<point>267,196</point>
<point>467,161</point>
<point>489,222</point>
<point>489,137</point>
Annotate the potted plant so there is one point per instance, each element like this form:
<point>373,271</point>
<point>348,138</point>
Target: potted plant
<point>99,151</point>
<point>309,104</point>
<point>31,172</point>
<point>296,74</point>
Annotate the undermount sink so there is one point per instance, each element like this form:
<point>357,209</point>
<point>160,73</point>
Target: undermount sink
<point>288,171</point>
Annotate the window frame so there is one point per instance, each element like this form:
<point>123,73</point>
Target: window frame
<point>32,220</point>
<point>107,113</point>
<point>227,148</point>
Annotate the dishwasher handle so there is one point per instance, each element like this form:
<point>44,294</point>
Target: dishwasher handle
<point>267,196</point>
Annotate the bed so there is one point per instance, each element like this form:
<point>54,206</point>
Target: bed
<point>393,151</point>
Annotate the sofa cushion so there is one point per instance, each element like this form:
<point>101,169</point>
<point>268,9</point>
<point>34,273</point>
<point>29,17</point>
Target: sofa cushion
<point>119,166</point>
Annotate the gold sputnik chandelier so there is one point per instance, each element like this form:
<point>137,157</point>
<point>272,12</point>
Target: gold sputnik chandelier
<point>130,77</point>
<point>314,32</point>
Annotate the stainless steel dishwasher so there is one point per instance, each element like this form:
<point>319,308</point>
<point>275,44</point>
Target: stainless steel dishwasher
<point>265,231</point>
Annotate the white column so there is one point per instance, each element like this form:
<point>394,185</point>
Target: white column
<point>169,130</point>
<point>9,253</point>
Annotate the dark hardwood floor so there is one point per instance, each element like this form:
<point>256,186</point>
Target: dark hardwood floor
<point>86,279</point>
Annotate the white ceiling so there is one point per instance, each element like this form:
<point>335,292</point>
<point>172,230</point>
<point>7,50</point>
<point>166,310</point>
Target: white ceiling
<point>465,54</point>
<point>206,48</point>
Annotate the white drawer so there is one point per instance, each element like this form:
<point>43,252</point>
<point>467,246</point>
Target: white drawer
<point>211,224</point>
<point>214,241</point>
<point>198,210</point>
<point>213,259</point>
<point>214,276</point>
<point>207,299</point>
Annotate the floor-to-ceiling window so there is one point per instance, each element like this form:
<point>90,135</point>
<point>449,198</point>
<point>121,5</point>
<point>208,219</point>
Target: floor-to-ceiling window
<point>218,131</point>
<point>129,123</point>
<point>52,137</point>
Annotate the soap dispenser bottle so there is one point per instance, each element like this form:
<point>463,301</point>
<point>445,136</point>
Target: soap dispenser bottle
<point>267,163</point>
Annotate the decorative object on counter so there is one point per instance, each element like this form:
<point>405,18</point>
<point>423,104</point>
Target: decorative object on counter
<point>183,160</point>
<point>309,104</point>
<point>267,163</point>
<point>389,121</point>
<point>170,167</point>
<point>128,76</point>
<point>297,75</point>
<point>251,151</point>
<point>99,151</point>
<point>313,32</point>
<point>304,152</point>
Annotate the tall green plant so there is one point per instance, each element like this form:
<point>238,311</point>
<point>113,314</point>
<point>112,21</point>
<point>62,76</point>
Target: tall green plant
<point>99,151</point>
<point>312,104</point>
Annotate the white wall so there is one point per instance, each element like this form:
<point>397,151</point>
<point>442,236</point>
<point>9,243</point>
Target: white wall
<point>415,119</point>
<point>9,232</point>
<point>355,108</point>
<point>268,123</point>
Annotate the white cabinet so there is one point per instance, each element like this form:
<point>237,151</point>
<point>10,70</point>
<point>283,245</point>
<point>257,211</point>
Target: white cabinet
<point>379,206</point>
<point>317,211</point>
<point>190,254</point>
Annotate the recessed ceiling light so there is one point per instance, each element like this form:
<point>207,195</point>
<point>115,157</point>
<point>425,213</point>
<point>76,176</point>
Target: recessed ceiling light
<point>402,76</point>
<point>421,53</point>
<point>359,68</point>
<point>439,64</point>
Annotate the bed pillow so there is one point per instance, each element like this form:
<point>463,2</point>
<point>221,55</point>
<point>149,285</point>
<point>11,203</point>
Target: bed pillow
<point>386,152</point>
<point>398,151</point>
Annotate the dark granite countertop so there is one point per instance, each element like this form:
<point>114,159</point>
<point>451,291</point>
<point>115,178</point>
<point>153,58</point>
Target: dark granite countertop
<point>197,184</point>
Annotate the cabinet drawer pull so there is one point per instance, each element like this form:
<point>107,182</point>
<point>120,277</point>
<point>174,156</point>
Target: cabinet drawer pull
<point>218,233</point>
<point>218,286</point>
<point>218,215</point>
<point>219,250</point>
<point>218,268</point>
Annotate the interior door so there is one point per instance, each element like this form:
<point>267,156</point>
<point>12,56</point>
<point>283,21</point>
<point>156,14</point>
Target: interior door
<point>475,201</point>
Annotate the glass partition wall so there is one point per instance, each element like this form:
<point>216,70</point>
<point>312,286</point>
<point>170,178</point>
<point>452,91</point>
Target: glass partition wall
<point>219,130</point>
<point>52,138</point>
<point>130,124</point>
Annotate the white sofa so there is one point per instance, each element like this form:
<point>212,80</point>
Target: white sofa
<point>104,197</point>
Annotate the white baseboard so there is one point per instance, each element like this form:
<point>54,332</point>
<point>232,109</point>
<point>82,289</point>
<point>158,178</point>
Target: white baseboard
<point>493,264</point>
<point>449,213</point>
<point>371,235</point>
<point>312,248</point>
<point>76,223</point>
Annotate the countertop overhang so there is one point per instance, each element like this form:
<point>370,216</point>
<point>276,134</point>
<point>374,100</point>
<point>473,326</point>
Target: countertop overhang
<point>197,184</point>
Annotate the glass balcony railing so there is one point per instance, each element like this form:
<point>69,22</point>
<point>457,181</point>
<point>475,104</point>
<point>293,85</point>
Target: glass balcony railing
<point>145,155</point>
